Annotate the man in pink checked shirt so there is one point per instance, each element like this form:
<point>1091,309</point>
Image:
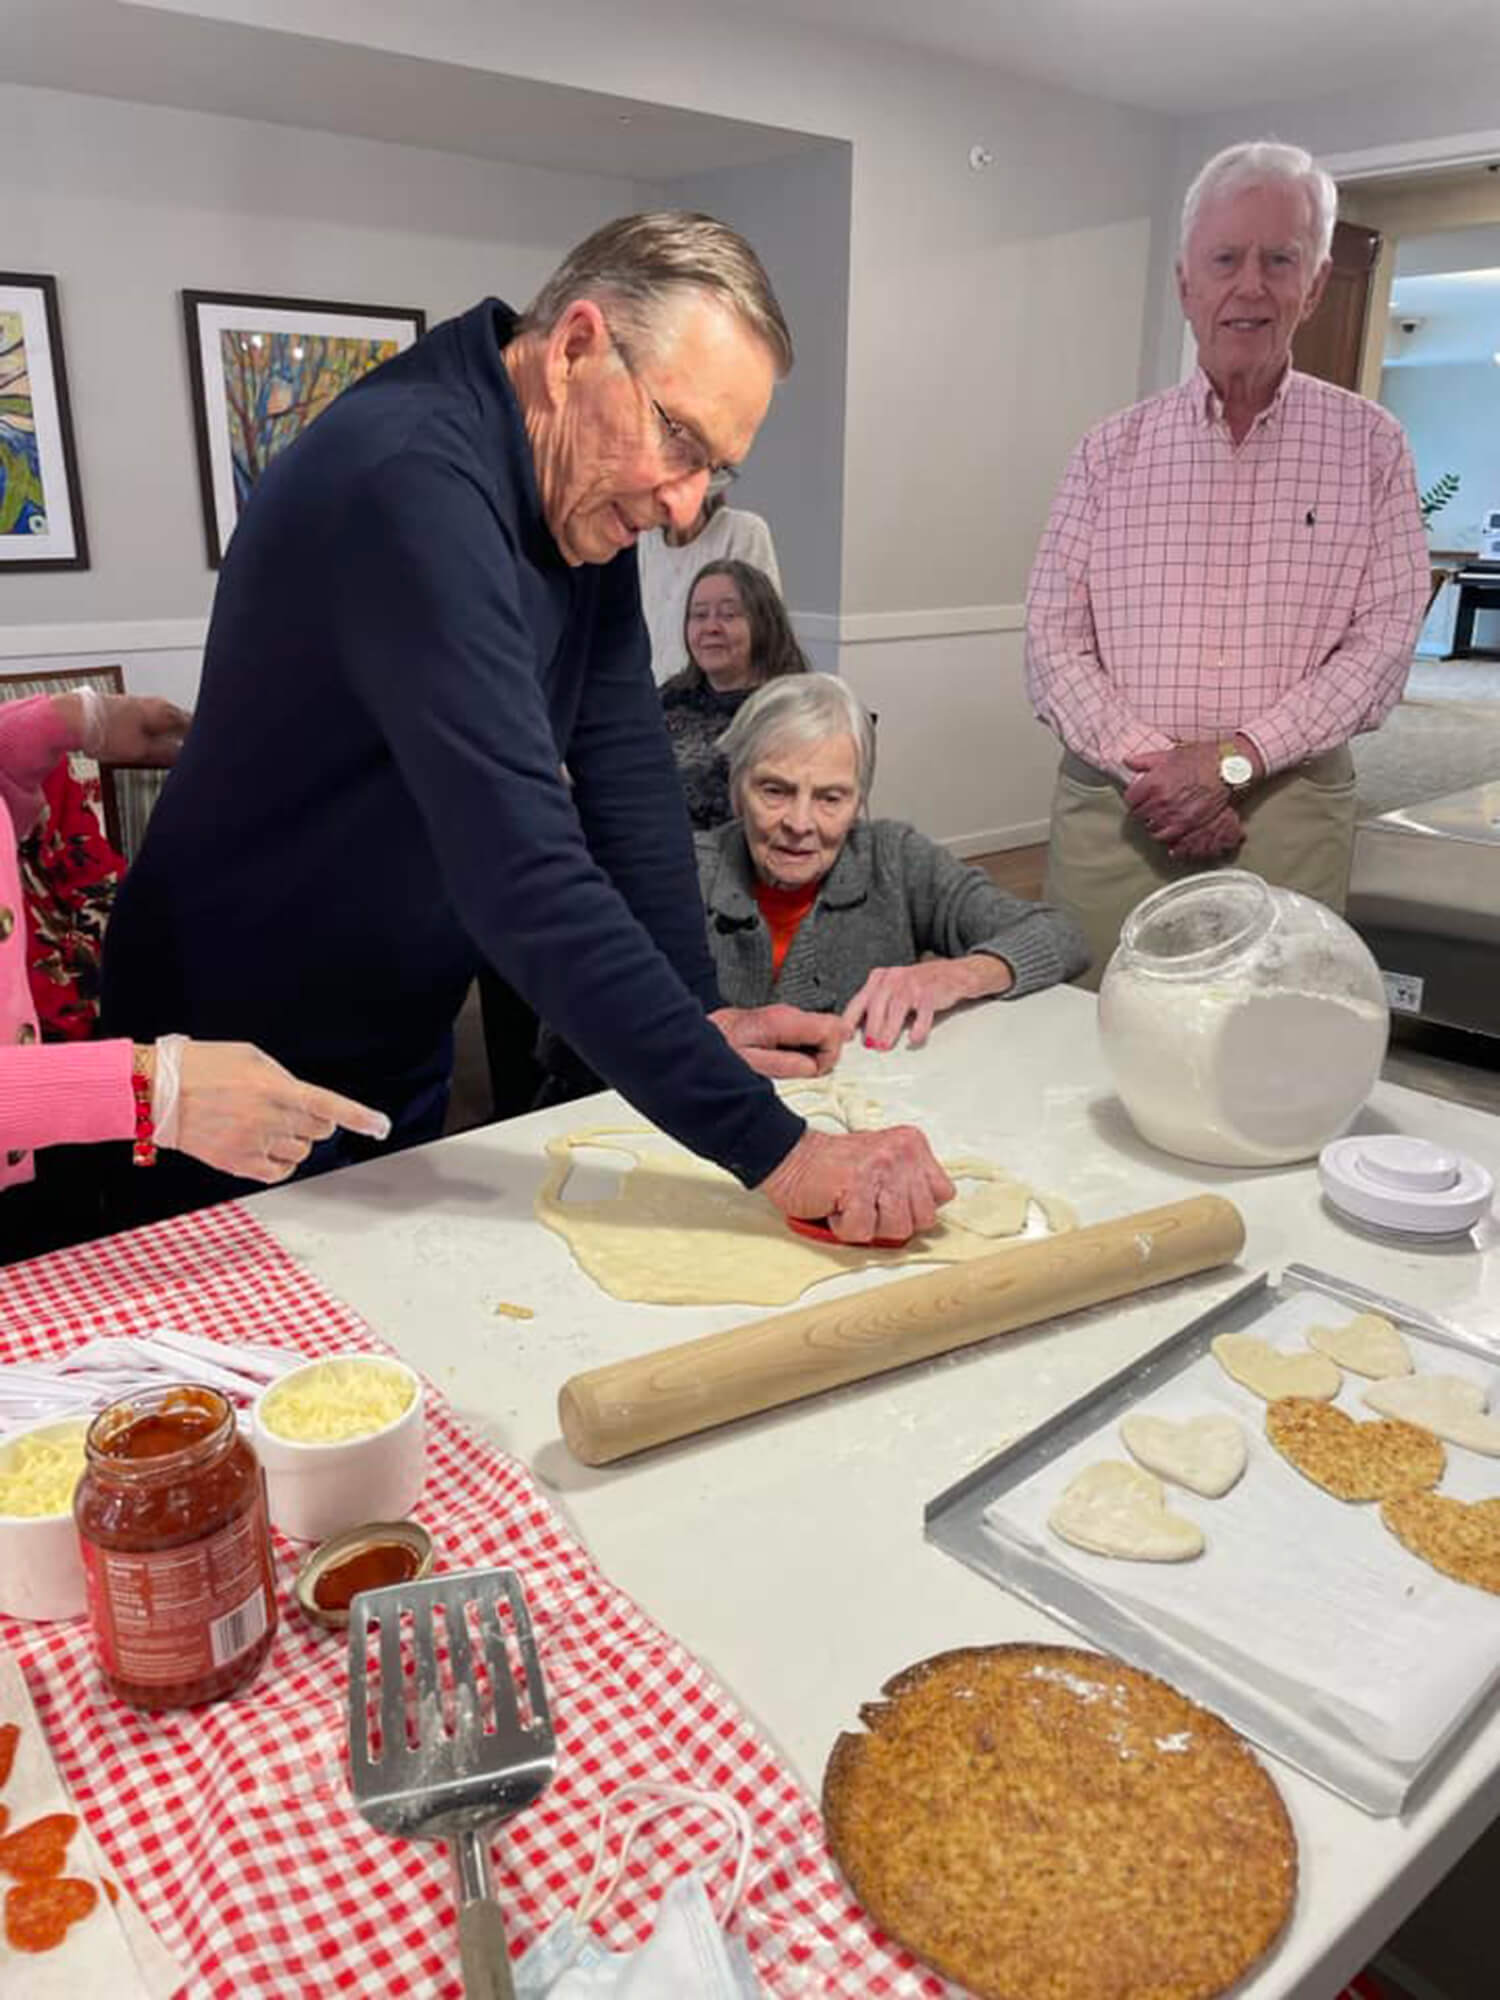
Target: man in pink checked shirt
<point>1230,584</point>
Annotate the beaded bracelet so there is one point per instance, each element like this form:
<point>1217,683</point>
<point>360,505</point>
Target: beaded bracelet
<point>142,1080</point>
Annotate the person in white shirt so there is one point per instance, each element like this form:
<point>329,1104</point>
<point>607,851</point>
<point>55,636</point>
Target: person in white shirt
<point>669,561</point>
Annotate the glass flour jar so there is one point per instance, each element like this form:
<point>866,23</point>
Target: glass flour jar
<point>1243,1024</point>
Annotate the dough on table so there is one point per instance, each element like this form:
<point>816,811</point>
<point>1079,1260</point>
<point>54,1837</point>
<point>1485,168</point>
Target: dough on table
<point>1205,1454</point>
<point>1269,1372</point>
<point>679,1231</point>
<point>1115,1509</point>
<point>1368,1344</point>
<point>1450,1406</point>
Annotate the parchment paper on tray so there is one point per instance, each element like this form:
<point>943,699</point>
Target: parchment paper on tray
<point>107,1947</point>
<point>1306,1599</point>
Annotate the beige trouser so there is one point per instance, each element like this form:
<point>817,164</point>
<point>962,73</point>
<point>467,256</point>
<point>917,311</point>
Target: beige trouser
<point>1299,833</point>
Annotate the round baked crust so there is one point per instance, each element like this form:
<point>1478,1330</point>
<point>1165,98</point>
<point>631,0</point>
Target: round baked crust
<point>1043,1823</point>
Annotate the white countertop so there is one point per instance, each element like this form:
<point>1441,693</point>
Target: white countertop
<point>787,1551</point>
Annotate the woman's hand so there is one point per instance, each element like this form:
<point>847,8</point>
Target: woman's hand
<point>141,729</point>
<point>240,1111</point>
<point>896,994</point>
<point>864,1184</point>
<point>781,1040</point>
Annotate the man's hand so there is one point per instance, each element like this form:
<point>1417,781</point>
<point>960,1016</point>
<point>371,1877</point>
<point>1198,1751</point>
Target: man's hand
<point>781,1040</point>
<point>896,994</point>
<point>865,1184</point>
<point>1179,792</point>
<point>1220,836</point>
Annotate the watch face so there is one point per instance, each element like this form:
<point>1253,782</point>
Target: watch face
<point>1236,769</point>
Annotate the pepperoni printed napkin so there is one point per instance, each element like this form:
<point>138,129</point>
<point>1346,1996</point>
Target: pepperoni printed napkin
<point>65,1929</point>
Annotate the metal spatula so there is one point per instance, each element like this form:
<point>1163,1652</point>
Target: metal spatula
<point>462,1740</point>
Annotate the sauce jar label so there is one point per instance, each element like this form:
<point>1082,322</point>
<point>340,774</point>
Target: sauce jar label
<point>175,1615</point>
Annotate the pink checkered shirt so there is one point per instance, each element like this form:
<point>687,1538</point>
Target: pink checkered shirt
<point>1187,587</point>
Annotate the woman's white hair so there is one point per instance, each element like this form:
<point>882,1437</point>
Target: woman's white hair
<point>1252,165</point>
<point>799,708</point>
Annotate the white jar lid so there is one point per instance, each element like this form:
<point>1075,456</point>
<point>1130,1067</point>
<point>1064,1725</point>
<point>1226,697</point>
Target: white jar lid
<point>1405,1184</point>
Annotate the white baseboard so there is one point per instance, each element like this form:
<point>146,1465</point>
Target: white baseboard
<point>997,839</point>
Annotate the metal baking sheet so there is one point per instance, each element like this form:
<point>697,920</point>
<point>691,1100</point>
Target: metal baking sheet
<point>955,1522</point>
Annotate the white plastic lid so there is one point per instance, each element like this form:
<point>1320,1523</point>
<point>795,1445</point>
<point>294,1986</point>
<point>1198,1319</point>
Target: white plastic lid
<point>1405,1184</point>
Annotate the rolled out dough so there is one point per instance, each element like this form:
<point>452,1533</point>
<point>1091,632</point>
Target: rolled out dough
<point>1115,1509</point>
<point>1368,1344</point>
<point>681,1232</point>
<point>1206,1454</point>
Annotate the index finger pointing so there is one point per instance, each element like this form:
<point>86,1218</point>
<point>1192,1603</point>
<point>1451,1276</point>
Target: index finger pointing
<point>346,1111</point>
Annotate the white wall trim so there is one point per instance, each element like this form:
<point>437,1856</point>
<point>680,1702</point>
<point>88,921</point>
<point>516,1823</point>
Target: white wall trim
<point>878,628</point>
<point>142,635</point>
<point>997,839</point>
<point>1462,149</point>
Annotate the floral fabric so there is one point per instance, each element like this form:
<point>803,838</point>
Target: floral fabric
<point>69,874</point>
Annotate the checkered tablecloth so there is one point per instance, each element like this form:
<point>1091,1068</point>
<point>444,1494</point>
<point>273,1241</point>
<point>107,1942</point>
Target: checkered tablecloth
<point>232,1825</point>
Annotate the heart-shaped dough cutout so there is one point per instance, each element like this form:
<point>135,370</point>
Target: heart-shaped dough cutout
<point>1459,1537</point>
<point>1368,1344</point>
<point>1266,1371</point>
<point>1449,1406</point>
<point>1351,1460</point>
<point>1206,1454</point>
<point>38,1848</point>
<point>1115,1509</point>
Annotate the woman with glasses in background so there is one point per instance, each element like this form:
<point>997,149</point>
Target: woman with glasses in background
<point>670,560</point>
<point>737,636</point>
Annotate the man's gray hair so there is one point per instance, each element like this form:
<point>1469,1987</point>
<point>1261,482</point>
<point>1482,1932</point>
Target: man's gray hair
<point>641,266</point>
<point>799,708</point>
<point>1252,165</point>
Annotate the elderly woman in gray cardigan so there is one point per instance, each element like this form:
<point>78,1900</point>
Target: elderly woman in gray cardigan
<point>811,903</point>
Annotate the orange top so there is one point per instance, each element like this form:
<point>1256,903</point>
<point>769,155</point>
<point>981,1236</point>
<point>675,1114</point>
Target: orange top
<point>783,910</point>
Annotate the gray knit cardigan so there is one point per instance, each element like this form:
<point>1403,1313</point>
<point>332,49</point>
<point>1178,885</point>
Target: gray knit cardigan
<point>892,896</point>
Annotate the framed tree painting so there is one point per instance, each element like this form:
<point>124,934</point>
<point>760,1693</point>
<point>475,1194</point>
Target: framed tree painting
<point>41,513</point>
<point>264,369</point>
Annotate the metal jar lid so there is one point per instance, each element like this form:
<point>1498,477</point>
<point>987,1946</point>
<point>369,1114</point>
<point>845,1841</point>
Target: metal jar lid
<point>1407,1186</point>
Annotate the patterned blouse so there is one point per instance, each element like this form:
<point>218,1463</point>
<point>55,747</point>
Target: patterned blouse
<point>696,719</point>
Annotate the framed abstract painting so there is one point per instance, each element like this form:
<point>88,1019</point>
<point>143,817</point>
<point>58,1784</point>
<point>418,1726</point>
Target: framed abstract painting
<point>41,513</point>
<point>262,370</point>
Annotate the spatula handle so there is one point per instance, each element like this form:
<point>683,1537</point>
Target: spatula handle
<point>482,1953</point>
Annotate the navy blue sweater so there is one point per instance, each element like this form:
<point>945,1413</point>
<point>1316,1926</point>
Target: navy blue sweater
<point>370,800</point>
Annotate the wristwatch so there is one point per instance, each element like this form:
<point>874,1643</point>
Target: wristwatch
<point>1235,768</point>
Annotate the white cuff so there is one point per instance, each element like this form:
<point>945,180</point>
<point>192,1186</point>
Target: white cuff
<point>166,1093</point>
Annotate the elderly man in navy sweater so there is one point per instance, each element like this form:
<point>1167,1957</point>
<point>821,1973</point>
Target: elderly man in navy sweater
<point>429,609</point>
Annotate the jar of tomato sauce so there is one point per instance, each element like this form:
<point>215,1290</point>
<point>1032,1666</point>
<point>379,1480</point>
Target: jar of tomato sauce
<point>171,1517</point>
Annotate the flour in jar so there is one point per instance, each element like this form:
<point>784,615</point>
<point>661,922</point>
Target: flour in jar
<point>1236,1077</point>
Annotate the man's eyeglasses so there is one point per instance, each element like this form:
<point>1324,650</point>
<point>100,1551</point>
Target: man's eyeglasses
<point>682,451</point>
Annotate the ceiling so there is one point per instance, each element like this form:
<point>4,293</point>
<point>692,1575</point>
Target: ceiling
<point>107,50</point>
<point>1181,57</point>
<point>1185,57</point>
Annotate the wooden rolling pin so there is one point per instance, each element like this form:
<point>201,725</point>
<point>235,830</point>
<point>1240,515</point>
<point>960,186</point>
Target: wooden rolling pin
<point>629,1406</point>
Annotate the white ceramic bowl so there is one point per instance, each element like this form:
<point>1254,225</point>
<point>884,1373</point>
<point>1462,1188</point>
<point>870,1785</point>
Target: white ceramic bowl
<point>318,1489</point>
<point>41,1570</point>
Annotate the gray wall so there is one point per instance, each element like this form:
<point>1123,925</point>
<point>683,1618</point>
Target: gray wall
<point>796,213</point>
<point>128,204</point>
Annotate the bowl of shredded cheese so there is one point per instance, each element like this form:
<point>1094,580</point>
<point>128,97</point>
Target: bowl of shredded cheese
<point>41,1571</point>
<point>342,1441</point>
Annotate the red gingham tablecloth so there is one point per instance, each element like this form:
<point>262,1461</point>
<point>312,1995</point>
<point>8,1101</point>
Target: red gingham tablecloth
<point>232,1825</point>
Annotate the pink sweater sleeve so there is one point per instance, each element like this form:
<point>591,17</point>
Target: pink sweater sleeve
<point>33,735</point>
<point>65,1094</point>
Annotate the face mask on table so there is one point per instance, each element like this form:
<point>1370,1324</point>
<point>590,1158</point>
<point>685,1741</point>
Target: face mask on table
<point>687,1951</point>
